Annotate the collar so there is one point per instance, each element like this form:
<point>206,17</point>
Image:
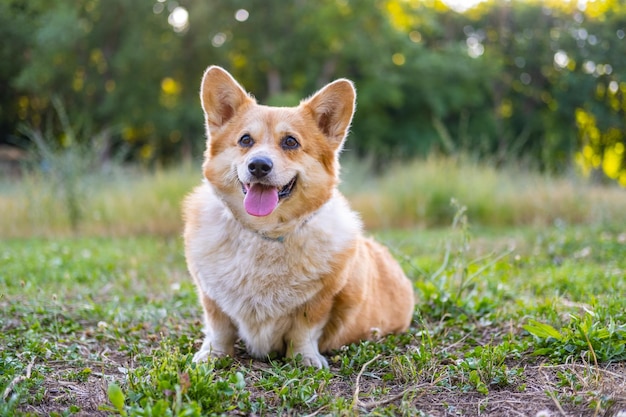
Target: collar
<point>281,239</point>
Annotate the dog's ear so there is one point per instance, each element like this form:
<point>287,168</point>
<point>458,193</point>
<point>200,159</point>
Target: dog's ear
<point>221,96</point>
<point>332,108</point>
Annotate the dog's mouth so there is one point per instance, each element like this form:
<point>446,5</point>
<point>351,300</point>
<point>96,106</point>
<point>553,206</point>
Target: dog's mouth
<point>261,199</point>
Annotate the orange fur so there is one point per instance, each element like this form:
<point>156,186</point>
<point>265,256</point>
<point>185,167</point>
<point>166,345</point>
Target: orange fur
<point>299,278</point>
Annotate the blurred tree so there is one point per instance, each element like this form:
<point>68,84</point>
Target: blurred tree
<point>285,50</point>
<point>558,61</point>
<point>537,81</point>
<point>15,32</point>
<point>113,64</point>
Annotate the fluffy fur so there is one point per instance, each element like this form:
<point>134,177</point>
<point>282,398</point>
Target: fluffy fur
<point>301,279</point>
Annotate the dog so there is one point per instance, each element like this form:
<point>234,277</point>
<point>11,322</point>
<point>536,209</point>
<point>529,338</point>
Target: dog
<point>278,257</point>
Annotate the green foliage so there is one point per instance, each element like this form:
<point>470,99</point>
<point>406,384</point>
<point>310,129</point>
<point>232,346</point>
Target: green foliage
<point>293,387</point>
<point>169,385</point>
<point>588,338</point>
<point>484,367</point>
<point>516,80</point>
<point>116,396</point>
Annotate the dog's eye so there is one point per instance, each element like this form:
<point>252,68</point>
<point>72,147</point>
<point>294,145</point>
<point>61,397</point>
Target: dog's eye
<point>246,141</point>
<point>289,142</point>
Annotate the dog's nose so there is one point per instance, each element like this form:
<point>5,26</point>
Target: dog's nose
<point>260,166</point>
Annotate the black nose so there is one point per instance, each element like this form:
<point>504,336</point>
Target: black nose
<point>260,166</point>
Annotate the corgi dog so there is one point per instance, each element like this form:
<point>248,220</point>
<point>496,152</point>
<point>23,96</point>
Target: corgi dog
<point>278,257</point>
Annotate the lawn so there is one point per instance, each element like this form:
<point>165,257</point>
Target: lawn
<point>518,320</point>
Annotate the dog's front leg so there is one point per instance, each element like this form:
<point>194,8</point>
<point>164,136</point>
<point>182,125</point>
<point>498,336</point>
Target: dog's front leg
<point>305,333</point>
<point>220,332</point>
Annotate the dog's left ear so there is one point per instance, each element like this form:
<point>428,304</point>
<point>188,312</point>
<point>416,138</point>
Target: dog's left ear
<point>221,96</point>
<point>332,108</point>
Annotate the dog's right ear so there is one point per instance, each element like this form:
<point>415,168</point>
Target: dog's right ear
<point>332,108</point>
<point>221,96</point>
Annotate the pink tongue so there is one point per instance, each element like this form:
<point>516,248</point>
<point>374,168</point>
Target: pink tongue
<point>260,200</point>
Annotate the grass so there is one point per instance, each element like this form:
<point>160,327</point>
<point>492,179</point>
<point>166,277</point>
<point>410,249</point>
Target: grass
<point>521,313</point>
<point>121,202</point>
<point>514,320</point>
<point>419,193</point>
<point>128,202</point>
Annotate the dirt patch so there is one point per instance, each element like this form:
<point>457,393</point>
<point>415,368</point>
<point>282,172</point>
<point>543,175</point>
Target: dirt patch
<point>78,386</point>
<point>574,389</point>
<point>543,391</point>
<point>87,396</point>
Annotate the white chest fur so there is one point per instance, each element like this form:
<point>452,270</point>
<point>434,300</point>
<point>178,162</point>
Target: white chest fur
<point>259,282</point>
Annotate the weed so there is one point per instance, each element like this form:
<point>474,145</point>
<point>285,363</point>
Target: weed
<point>453,290</point>
<point>588,338</point>
<point>169,384</point>
<point>484,367</point>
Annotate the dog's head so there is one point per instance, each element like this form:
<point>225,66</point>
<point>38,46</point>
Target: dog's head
<point>271,165</point>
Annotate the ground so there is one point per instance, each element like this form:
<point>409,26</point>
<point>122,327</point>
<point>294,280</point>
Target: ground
<point>527,322</point>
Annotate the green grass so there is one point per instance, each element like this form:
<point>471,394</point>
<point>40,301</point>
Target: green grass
<point>513,320</point>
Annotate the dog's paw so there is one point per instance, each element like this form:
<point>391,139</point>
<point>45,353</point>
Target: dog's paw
<point>306,353</point>
<point>309,358</point>
<point>317,361</point>
<point>208,350</point>
<point>203,355</point>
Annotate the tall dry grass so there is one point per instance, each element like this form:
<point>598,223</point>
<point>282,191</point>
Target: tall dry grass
<point>418,194</point>
<point>121,202</point>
